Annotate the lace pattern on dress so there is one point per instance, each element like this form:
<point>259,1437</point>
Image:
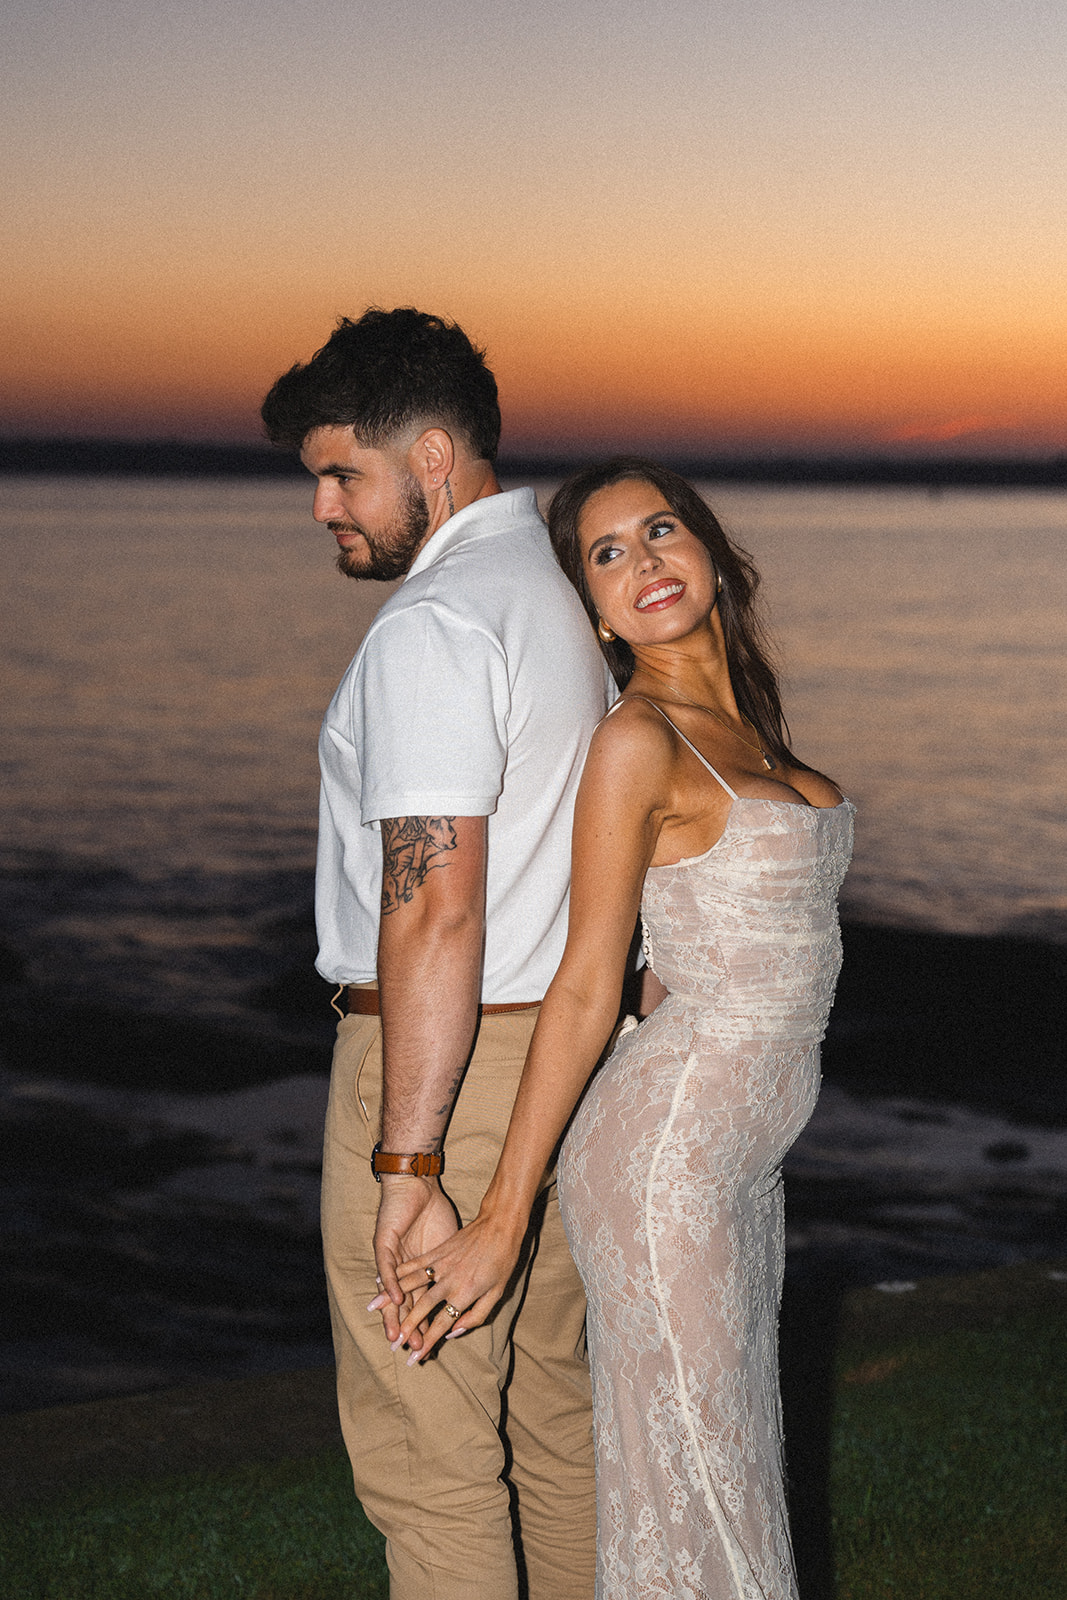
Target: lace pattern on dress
<point>670,1181</point>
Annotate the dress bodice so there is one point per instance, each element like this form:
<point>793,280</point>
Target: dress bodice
<point>750,928</point>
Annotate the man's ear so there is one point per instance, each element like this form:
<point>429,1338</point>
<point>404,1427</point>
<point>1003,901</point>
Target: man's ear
<point>432,457</point>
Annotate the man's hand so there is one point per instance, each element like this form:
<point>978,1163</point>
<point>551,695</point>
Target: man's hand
<point>471,1273</point>
<point>414,1217</point>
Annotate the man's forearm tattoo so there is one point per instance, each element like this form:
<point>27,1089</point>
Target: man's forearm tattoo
<point>445,1111</point>
<point>410,847</point>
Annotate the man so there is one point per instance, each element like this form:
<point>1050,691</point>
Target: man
<point>450,756</point>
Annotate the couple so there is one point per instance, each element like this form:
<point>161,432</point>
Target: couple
<point>451,757</point>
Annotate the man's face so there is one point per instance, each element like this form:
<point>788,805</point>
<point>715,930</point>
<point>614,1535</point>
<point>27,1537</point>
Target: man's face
<point>370,501</point>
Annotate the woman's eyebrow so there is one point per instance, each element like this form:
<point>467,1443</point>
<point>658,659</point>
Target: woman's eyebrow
<point>645,522</point>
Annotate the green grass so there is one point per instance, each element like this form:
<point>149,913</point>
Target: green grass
<point>949,1482</point>
<point>949,1477</point>
<point>288,1531</point>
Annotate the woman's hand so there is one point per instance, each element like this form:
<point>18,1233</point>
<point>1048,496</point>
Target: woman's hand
<point>470,1274</point>
<point>414,1214</point>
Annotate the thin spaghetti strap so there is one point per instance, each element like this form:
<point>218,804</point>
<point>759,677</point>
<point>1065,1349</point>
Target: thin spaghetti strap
<point>688,742</point>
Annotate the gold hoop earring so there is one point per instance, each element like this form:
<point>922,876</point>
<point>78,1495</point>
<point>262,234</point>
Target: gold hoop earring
<point>604,633</point>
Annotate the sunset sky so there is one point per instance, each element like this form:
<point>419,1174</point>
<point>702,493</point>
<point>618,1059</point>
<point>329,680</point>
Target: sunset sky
<point>714,224</point>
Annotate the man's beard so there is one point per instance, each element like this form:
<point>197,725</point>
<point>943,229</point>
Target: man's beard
<point>391,550</point>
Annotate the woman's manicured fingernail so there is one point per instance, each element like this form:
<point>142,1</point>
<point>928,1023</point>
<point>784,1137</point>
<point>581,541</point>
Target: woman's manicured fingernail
<point>455,1333</point>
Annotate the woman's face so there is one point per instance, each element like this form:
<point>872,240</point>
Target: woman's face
<point>651,580</point>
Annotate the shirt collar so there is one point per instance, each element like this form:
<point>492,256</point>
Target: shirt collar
<point>476,521</point>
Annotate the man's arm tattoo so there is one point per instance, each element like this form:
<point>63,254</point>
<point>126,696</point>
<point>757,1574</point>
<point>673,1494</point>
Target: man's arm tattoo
<point>410,847</point>
<point>445,1111</point>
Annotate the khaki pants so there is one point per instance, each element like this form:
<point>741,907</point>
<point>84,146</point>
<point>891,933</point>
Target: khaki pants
<point>484,1454</point>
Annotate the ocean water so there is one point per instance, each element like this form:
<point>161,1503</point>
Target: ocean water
<point>167,650</point>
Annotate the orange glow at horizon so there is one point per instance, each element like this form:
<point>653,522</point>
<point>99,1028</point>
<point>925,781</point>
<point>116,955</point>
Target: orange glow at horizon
<point>762,230</point>
<point>582,373</point>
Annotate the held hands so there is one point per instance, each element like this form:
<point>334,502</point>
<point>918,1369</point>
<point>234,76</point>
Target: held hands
<point>462,1279</point>
<point>414,1215</point>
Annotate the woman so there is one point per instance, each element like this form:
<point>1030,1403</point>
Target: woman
<point>692,807</point>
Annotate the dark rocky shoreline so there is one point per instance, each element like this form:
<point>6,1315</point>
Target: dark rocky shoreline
<point>951,1017</point>
<point>143,1247</point>
<point>974,1020</point>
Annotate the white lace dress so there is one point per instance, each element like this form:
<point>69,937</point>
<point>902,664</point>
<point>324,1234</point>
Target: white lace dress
<point>671,1188</point>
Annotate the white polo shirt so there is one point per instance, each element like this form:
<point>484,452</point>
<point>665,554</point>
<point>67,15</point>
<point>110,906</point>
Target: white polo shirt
<point>474,693</point>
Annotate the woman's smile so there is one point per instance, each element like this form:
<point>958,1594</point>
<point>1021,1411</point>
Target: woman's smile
<point>659,596</point>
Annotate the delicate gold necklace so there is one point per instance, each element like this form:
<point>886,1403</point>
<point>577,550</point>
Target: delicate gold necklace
<point>768,760</point>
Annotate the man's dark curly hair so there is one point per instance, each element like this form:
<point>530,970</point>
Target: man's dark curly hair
<point>384,376</point>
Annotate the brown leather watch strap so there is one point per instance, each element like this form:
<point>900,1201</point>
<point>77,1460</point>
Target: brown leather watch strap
<point>422,1164</point>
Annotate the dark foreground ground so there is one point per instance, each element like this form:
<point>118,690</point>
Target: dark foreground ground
<point>51,1452</point>
<point>141,1248</point>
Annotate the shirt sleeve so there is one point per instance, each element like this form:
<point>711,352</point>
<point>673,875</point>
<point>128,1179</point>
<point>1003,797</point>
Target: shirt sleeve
<point>432,704</point>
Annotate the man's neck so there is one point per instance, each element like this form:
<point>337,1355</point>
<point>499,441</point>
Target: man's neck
<point>468,481</point>
<point>475,480</point>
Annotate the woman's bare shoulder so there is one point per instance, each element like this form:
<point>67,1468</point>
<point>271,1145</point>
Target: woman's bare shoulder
<point>631,753</point>
<point>634,730</point>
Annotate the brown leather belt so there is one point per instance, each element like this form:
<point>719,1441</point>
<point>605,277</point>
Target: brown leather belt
<point>364,1003</point>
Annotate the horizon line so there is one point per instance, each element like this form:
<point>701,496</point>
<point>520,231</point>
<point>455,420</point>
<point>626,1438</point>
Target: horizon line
<point>163,457</point>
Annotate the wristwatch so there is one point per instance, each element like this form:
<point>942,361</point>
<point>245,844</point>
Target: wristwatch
<point>422,1164</point>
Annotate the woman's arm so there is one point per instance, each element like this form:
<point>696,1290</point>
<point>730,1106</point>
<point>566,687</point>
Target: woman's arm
<point>616,825</point>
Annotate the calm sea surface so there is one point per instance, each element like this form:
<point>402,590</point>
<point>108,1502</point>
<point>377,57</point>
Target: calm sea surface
<point>167,651</point>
